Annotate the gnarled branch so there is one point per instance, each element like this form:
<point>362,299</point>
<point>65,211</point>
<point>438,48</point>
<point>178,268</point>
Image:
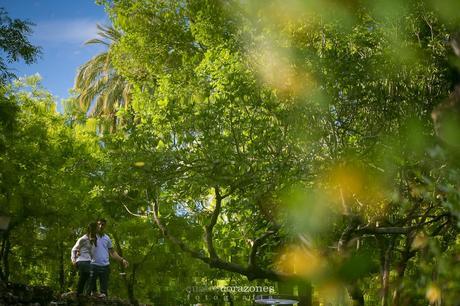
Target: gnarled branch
<point>252,272</point>
<point>252,260</point>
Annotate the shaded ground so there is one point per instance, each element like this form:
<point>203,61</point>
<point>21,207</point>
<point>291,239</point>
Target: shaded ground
<point>12,294</point>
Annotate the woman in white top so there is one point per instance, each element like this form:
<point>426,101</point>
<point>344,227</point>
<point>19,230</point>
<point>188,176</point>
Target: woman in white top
<point>81,256</point>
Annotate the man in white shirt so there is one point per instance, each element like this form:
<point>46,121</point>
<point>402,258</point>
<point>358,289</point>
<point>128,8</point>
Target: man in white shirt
<point>100,264</point>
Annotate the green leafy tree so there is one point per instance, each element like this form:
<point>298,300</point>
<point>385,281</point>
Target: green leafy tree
<point>46,174</point>
<point>14,44</point>
<point>100,90</point>
<point>275,116</point>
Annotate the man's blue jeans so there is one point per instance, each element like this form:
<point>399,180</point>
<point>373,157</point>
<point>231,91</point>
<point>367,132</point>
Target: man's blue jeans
<point>101,273</point>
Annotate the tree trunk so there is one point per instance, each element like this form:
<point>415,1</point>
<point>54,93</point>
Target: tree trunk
<point>129,284</point>
<point>61,267</point>
<point>385,266</point>
<point>6,247</point>
<point>230,299</point>
<point>356,294</point>
<point>285,288</point>
<point>401,270</point>
<point>2,250</point>
<point>398,282</point>
<point>305,290</point>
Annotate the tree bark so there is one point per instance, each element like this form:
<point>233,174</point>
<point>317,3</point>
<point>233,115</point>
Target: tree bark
<point>356,294</point>
<point>386,250</point>
<point>305,290</point>
<point>61,267</point>
<point>353,289</point>
<point>213,260</point>
<point>6,247</point>
<point>401,269</point>
<point>2,250</point>
<point>398,282</point>
<point>129,284</point>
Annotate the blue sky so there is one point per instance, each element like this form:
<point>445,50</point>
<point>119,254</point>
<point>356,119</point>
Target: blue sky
<point>61,28</point>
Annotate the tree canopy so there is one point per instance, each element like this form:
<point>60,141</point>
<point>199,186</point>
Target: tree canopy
<point>14,44</point>
<point>278,143</point>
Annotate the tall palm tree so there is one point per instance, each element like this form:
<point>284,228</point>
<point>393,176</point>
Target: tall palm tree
<point>101,91</point>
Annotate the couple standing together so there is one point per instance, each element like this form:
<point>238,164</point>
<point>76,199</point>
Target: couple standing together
<point>91,257</point>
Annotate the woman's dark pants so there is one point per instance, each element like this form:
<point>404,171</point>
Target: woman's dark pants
<point>84,272</point>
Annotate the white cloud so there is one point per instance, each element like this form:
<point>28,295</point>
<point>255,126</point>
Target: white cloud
<point>75,31</point>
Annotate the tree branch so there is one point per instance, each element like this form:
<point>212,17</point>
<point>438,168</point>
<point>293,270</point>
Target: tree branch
<point>395,230</point>
<point>252,260</point>
<point>208,229</point>
<point>165,232</point>
<point>133,214</point>
<point>251,272</point>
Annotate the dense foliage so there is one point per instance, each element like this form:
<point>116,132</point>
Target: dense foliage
<point>14,44</point>
<point>289,144</point>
